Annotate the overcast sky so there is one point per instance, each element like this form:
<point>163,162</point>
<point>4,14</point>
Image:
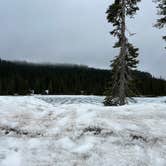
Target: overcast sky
<point>75,31</point>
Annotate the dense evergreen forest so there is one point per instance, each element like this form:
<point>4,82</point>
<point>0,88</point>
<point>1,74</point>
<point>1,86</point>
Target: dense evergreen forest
<point>25,78</point>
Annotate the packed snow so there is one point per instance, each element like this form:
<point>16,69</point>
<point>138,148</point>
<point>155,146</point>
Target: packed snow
<point>80,131</point>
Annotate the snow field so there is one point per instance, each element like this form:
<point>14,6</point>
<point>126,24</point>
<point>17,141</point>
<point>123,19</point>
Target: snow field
<point>80,131</point>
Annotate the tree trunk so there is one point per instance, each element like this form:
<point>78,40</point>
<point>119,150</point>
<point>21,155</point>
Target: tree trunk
<point>122,94</point>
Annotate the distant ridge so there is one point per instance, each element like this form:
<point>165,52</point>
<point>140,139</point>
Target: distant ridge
<point>23,78</point>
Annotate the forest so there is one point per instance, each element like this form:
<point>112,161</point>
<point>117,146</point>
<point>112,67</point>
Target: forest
<point>21,78</point>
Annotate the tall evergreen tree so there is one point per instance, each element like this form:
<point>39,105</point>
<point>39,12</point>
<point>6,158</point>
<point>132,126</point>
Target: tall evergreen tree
<point>161,22</point>
<point>126,60</point>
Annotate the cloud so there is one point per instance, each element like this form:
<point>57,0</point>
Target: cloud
<point>75,32</point>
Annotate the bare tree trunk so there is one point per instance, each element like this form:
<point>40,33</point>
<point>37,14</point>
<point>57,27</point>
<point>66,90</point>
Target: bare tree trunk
<point>122,94</point>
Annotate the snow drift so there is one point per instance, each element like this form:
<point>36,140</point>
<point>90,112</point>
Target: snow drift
<point>80,131</point>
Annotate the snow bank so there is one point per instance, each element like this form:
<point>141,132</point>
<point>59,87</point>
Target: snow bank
<point>70,131</point>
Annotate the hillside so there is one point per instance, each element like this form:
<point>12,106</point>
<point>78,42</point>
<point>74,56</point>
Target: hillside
<point>21,78</point>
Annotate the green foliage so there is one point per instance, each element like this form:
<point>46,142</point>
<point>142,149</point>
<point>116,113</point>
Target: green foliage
<point>22,78</point>
<point>131,7</point>
<point>126,61</point>
<point>161,22</point>
<point>131,56</point>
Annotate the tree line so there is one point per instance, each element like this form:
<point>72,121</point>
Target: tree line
<point>20,78</point>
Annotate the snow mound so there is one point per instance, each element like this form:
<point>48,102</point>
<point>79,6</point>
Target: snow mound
<point>80,131</point>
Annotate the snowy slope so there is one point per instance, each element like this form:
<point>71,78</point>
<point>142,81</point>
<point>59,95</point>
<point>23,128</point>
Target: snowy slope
<point>80,131</point>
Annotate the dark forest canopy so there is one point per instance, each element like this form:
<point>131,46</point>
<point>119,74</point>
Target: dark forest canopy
<point>22,78</point>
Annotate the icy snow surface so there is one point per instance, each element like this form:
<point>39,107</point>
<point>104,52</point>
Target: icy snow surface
<point>80,131</point>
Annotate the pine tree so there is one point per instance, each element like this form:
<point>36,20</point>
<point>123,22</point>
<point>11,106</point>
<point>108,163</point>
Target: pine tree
<point>161,22</point>
<point>126,60</point>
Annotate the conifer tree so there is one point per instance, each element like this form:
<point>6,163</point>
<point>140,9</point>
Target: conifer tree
<point>122,65</point>
<point>161,22</point>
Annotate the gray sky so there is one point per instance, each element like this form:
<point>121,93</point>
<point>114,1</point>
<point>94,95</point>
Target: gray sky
<point>75,31</point>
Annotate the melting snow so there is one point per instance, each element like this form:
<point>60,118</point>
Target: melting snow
<point>80,131</point>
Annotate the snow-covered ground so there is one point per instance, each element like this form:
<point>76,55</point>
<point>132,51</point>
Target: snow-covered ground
<point>80,131</point>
